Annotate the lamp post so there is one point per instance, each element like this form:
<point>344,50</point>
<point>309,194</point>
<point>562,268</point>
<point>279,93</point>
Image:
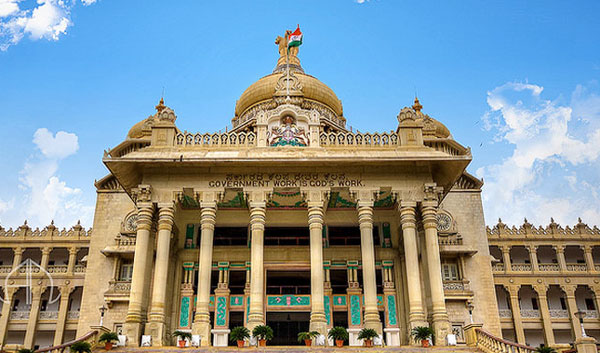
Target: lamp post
<point>102,311</point>
<point>580,315</point>
<point>470,307</point>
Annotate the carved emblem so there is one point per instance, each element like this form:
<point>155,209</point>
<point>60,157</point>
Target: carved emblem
<point>131,223</point>
<point>287,134</point>
<point>444,222</point>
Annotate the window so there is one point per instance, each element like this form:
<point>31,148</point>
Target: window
<point>450,271</point>
<point>563,304</point>
<point>589,304</point>
<point>126,271</point>
<point>534,304</point>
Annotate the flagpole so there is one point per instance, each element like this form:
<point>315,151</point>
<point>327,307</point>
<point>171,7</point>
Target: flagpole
<point>287,64</point>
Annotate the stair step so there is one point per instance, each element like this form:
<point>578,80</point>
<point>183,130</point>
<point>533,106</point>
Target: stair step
<point>298,349</point>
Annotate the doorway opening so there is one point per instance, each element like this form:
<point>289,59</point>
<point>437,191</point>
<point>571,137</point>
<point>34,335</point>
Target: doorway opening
<point>286,326</point>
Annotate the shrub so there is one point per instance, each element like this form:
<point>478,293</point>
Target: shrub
<point>239,333</point>
<point>307,335</point>
<point>182,335</point>
<point>421,333</point>
<point>367,334</point>
<point>338,333</point>
<point>108,337</point>
<point>81,347</point>
<point>263,332</point>
<point>545,349</point>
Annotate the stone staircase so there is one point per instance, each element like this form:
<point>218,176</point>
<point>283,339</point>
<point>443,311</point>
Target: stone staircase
<point>299,349</point>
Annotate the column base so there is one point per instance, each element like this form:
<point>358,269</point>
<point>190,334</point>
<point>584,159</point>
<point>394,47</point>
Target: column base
<point>353,337</point>
<point>319,326</point>
<point>158,332</point>
<point>392,336</point>
<point>586,345</point>
<point>375,325</point>
<point>133,331</point>
<point>202,329</point>
<point>220,337</point>
<point>441,329</point>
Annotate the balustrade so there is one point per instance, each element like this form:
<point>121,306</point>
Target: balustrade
<point>505,313</point>
<point>488,343</point>
<point>57,269</point>
<point>590,314</point>
<point>454,285</point>
<point>48,315</point>
<point>549,267</point>
<point>79,269</point>
<point>453,239</point>
<point>521,267</point>
<point>386,139</point>
<point>119,287</point>
<point>19,315</point>
<point>216,139</point>
<point>499,267</point>
<point>530,313</point>
<point>577,267</point>
<point>597,267</point>
<point>5,268</point>
<point>73,315</point>
<point>559,313</point>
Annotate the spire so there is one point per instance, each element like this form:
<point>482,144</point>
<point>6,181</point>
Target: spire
<point>417,106</point>
<point>161,105</point>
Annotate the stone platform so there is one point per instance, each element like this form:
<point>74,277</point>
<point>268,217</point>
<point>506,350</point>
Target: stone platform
<point>299,349</point>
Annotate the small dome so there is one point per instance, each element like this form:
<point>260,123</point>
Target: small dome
<point>431,126</point>
<point>140,130</point>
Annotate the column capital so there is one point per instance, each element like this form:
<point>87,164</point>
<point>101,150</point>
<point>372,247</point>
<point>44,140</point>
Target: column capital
<point>315,196</point>
<point>408,212</point>
<point>166,216</point>
<point>513,289</point>
<point>73,250</point>
<point>365,213</point>
<point>432,193</point>
<point>18,250</point>
<point>46,250</point>
<point>569,289</point>
<point>66,290</point>
<point>588,248</point>
<point>541,289</point>
<point>559,249</point>
<point>429,214</point>
<point>532,248</point>
<point>143,193</point>
<point>8,292</point>
<point>145,212</point>
<point>315,214</point>
<point>364,196</point>
<point>505,248</point>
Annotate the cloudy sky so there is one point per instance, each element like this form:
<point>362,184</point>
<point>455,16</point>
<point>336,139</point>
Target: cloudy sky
<point>517,81</point>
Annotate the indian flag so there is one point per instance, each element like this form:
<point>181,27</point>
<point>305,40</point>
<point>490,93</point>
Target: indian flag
<point>295,38</point>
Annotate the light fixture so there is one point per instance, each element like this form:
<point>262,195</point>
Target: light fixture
<point>580,315</point>
<point>470,307</point>
<point>102,311</point>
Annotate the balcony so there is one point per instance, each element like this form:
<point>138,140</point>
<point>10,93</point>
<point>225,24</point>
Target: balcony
<point>590,314</point>
<point>56,269</point>
<point>559,313</point>
<point>117,291</point>
<point>457,289</point>
<point>505,313</point>
<point>48,315</point>
<point>79,269</point>
<point>577,267</point>
<point>5,268</point>
<point>123,244</point>
<point>549,267</point>
<point>530,313</point>
<point>521,267</point>
<point>19,315</point>
<point>73,315</point>
<point>499,267</point>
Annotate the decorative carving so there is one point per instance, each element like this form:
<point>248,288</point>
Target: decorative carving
<point>444,222</point>
<point>287,134</point>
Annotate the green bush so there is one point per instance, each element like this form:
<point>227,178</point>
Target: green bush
<point>108,337</point>
<point>263,332</point>
<point>545,349</point>
<point>421,333</point>
<point>182,335</point>
<point>239,333</point>
<point>338,333</point>
<point>307,335</point>
<point>367,334</point>
<point>81,347</point>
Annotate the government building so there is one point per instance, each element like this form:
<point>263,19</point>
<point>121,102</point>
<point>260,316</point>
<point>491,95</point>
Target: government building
<point>294,220</point>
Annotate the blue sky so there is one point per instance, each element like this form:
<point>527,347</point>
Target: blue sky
<point>518,81</point>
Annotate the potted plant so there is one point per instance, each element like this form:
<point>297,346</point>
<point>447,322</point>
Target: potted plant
<point>307,337</point>
<point>239,334</point>
<point>263,333</point>
<point>367,334</point>
<point>422,333</point>
<point>339,334</point>
<point>81,347</point>
<point>545,349</point>
<point>108,338</point>
<point>181,336</point>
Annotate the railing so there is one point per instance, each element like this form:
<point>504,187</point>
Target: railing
<point>19,315</point>
<point>597,267</point>
<point>488,343</point>
<point>119,287</point>
<point>443,145</point>
<point>5,268</point>
<point>57,269</point>
<point>590,314</point>
<point>73,315</point>
<point>454,286</point>
<point>498,267</point>
<point>454,239</point>
<point>48,315</point>
<point>385,139</point>
<point>521,267</point>
<point>549,267</point>
<point>216,139</point>
<point>91,337</point>
<point>125,240</point>
<point>79,269</point>
<point>559,313</point>
<point>577,267</point>
<point>32,269</point>
<point>530,313</point>
<point>505,313</point>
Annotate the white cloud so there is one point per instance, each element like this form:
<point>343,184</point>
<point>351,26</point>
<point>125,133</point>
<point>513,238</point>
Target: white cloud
<point>552,171</point>
<point>361,1</point>
<point>47,19</point>
<point>60,146</point>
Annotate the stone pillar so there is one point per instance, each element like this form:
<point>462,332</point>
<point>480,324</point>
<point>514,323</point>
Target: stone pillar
<point>257,229</point>
<point>157,325</point>
<point>515,307</point>
<point>201,324</point>
<point>545,313</point>
<point>328,295</point>
<point>354,304</point>
<point>506,257</point>
<point>589,259</point>
<point>72,259</point>
<point>8,294</point>
<point>416,316</point>
<point>45,257</point>
<point>365,220</point>
<point>187,296</point>
<point>596,290</point>
<point>560,255</point>
<point>569,290</point>
<point>63,311</point>
<point>18,256</point>
<point>134,320</point>
<point>221,327</point>
<point>533,258</point>
<point>392,328</point>
<point>34,313</point>
<point>318,322</point>
<point>441,324</point>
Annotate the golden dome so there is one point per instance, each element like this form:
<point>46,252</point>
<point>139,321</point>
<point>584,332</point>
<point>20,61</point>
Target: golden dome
<point>265,88</point>
<point>139,130</point>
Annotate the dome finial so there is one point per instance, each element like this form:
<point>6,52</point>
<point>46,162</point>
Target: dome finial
<point>417,106</point>
<point>161,105</point>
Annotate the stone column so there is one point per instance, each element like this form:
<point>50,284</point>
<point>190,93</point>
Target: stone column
<point>533,257</point>
<point>545,313</point>
<point>187,296</point>
<point>589,259</point>
<point>221,318</point>
<point>596,290</point>
<point>63,310</point>
<point>506,257</point>
<point>72,259</point>
<point>257,229</point>
<point>8,294</point>
<point>365,221</point>
<point>560,255</point>
<point>416,316</point>
<point>354,301</point>
<point>18,256</point>
<point>318,321</point>
<point>441,324</point>
<point>45,257</point>
<point>34,313</point>
<point>392,328</point>
<point>157,325</point>
<point>515,308</point>
<point>133,321</point>
<point>328,295</point>
<point>569,290</point>
<point>201,325</point>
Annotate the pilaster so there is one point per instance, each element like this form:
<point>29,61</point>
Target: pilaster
<point>515,307</point>
<point>34,312</point>
<point>589,259</point>
<point>533,258</point>
<point>506,258</point>
<point>560,255</point>
<point>221,327</point>
<point>18,256</point>
<point>8,296</point>
<point>545,313</point>
<point>569,290</point>
<point>392,328</point>
<point>72,259</point>
<point>65,292</point>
